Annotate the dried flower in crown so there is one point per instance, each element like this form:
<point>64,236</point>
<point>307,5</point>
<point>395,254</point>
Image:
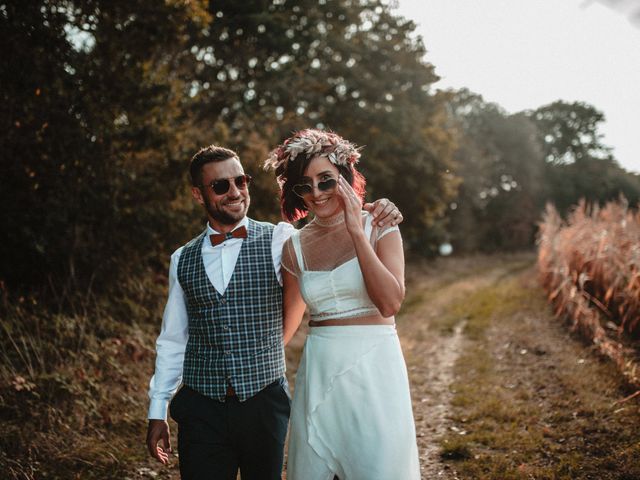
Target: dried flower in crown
<point>311,142</point>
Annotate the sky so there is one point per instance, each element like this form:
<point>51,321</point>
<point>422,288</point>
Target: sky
<point>522,55</point>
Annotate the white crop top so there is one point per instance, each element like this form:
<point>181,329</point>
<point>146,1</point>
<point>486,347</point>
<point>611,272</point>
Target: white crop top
<point>336,293</point>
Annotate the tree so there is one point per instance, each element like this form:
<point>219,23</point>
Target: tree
<point>114,97</point>
<point>501,163</point>
<point>570,132</point>
<point>87,134</point>
<point>266,69</point>
<point>578,164</point>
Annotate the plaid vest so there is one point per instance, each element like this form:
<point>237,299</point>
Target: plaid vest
<point>236,338</point>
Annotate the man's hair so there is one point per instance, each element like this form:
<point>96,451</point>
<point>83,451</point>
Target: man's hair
<point>212,153</point>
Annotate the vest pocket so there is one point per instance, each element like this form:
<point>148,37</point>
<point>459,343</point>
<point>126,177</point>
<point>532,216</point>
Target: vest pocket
<point>268,341</point>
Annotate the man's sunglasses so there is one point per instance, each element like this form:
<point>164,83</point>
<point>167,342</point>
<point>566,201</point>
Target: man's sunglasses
<point>222,185</point>
<point>304,189</point>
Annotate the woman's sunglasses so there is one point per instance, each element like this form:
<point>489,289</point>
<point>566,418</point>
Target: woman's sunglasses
<point>222,185</point>
<point>304,189</point>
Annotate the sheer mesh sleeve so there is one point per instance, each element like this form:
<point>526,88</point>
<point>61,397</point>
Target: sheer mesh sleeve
<point>289,261</point>
<point>378,232</point>
<point>381,232</point>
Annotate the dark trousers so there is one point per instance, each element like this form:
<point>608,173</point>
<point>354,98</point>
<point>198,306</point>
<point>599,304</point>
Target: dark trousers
<point>215,438</point>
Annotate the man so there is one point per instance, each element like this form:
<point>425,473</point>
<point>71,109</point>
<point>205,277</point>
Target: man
<point>222,337</point>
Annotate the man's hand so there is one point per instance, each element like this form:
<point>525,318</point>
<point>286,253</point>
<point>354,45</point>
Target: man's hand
<point>384,212</point>
<point>159,430</point>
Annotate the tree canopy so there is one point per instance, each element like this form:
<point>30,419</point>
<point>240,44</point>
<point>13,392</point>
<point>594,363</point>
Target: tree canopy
<point>104,103</point>
<point>113,98</point>
<point>511,165</point>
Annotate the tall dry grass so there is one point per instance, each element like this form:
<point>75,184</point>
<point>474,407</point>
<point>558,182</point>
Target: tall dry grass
<point>590,267</point>
<point>74,369</point>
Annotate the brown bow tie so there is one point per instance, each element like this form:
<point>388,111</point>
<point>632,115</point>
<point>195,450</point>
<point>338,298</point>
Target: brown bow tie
<point>218,238</point>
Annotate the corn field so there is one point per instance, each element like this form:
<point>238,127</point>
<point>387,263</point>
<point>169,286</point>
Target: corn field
<point>590,268</point>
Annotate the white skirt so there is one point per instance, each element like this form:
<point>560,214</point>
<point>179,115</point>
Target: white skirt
<point>351,414</point>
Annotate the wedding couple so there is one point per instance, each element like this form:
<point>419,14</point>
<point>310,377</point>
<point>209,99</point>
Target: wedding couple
<point>232,308</point>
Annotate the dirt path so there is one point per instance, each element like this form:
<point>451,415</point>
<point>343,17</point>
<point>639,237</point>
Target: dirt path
<point>501,389</point>
<point>431,353</point>
<point>430,377</point>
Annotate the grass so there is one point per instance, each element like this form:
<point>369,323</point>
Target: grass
<point>529,400</point>
<point>73,382</point>
<point>477,307</point>
<point>426,278</point>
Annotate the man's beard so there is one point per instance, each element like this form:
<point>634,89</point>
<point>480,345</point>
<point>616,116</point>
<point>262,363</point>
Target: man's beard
<point>223,217</point>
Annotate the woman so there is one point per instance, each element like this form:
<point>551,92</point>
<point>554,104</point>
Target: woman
<point>351,415</point>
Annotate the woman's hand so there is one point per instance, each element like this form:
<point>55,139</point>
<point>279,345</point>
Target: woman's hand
<point>352,206</point>
<point>383,271</point>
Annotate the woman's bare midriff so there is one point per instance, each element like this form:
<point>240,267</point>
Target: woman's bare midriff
<point>367,320</point>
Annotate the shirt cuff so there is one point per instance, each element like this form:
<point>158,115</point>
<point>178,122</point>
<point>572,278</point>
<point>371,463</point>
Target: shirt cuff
<point>158,409</point>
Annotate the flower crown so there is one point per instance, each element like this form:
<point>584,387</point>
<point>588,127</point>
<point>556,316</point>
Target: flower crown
<point>311,142</point>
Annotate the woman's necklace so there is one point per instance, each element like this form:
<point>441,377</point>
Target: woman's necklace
<point>336,219</point>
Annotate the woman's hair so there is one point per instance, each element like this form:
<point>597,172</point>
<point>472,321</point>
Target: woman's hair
<point>292,157</point>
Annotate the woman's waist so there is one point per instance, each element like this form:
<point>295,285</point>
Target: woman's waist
<point>371,318</point>
<point>320,311</point>
<point>335,333</point>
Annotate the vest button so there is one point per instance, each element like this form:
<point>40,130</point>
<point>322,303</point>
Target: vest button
<point>227,352</point>
<point>222,300</point>
<point>225,327</point>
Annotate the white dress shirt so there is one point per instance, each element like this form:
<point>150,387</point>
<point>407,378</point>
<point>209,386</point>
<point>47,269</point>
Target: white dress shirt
<point>220,262</point>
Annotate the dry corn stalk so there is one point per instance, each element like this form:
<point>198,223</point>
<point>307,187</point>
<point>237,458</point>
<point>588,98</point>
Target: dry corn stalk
<point>590,267</point>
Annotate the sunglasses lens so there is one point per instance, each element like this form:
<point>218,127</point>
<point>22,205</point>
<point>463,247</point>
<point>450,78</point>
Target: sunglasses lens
<point>327,185</point>
<point>242,181</point>
<point>220,187</point>
<point>302,189</point>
